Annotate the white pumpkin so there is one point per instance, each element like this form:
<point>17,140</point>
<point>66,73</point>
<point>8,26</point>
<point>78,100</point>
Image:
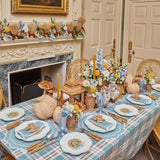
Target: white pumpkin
<point>43,110</point>
<point>55,114</point>
<point>132,88</point>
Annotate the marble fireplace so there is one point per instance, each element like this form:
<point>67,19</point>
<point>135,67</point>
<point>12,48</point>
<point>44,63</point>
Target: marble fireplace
<point>28,54</point>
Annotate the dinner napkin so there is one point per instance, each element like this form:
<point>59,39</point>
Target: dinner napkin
<point>26,134</point>
<point>141,100</point>
<point>105,124</point>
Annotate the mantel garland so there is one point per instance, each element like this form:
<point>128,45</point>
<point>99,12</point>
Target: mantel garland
<point>53,30</point>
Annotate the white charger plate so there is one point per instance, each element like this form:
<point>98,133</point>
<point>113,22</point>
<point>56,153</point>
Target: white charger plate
<point>75,143</point>
<point>10,114</point>
<point>126,110</point>
<point>156,87</point>
<point>40,135</point>
<point>98,129</point>
<point>136,102</point>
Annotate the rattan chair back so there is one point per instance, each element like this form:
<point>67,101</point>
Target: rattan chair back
<point>149,65</point>
<point>76,67</point>
<point>2,98</point>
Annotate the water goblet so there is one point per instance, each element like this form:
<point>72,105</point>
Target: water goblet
<point>114,95</point>
<point>112,87</point>
<point>62,124</point>
<point>100,102</point>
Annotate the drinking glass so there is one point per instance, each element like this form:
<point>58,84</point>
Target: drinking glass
<point>114,95</point>
<point>112,87</point>
<point>100,102</point>
<point>62,124</point>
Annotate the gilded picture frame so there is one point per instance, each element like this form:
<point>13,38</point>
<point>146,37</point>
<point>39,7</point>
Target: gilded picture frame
<point>40,7</point>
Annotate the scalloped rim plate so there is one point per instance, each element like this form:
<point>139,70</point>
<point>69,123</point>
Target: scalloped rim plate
<point>42,134</point>
<point>154,86</point>
<point>95,128</point>
<point>143,96</point>
<point>83,138</point>
<point>133,110</point>
<point>5,112</point>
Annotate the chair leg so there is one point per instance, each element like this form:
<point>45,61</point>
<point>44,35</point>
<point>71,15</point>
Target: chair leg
<point>145,147</point>
<point>150,154</point>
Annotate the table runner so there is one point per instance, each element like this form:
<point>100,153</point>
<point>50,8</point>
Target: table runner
<point>124,145</point>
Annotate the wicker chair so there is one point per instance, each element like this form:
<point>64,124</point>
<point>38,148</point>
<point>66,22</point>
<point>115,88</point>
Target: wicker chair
<point>9,157</point>
<point>149,65</point>
<point>2,98</point>
<point>76,67</point>
<point>153,66</point>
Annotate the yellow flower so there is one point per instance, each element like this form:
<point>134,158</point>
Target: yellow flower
<point>7,29</point>
<point>76,108</point>
<point>74,24</point>
<point>110,69</point>
<point>52,24</point>
<point>92,89</point>
<point>116,75</point>
<point>150,76</point>
<point>97,73</point>
<point>40,26</point>
<point>105,64</point>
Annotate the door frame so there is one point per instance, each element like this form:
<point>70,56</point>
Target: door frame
<point>127,25</point>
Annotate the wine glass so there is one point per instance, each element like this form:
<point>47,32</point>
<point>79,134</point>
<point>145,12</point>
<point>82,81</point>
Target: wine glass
<point>100,102</point>
<point>62,124</point>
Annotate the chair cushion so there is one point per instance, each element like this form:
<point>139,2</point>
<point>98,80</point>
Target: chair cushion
<point>156,131</point>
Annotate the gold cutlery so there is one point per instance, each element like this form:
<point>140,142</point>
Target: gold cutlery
<point>42,147</point>
<point>152,97</point>
<point>17,123</point>
<point>97,125</point>
<point>120,121</point>
<point>34,145</point>
<point>117,117</point>
<point>92,135</point>
<point>138,107</point>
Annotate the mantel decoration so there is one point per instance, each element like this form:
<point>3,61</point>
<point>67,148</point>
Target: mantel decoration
<point>39,31</point>
<point>40,6</point>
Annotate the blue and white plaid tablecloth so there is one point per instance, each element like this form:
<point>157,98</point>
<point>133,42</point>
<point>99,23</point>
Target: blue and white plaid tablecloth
<point>124,142</point>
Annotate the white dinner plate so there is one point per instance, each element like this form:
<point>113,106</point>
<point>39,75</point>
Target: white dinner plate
<point>156,87</point>
<point>91,126</point>
<point>126,110</point>
<point>35,136</point>
<point>149,100</point>
<point>10,114</point>
<point>75,143</point>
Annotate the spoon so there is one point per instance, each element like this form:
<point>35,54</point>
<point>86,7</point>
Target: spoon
<point>34,145</point>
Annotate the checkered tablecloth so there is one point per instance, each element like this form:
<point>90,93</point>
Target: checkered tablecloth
<point>123,142</point>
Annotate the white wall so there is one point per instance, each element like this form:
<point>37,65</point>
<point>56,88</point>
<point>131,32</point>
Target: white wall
<point>74,11</point>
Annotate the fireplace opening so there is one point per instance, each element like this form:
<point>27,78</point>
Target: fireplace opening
<point>24,83</point>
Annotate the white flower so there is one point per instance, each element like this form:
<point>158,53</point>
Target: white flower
<point>65,28</point>
<point>5,38</point>
<point>152,81</point>
<point>70,107</point>
<point>25,28</point>
<point>105,73</point>
<point>37,34</point>
<point>86,83</point>
<point>100,81</point>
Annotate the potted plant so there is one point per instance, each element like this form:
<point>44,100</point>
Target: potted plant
<point>149,79</point>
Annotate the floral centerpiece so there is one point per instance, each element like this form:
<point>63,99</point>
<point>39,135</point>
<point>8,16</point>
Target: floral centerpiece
<point>149,79</point>
<point>72,113</point>
<point>105,70</point>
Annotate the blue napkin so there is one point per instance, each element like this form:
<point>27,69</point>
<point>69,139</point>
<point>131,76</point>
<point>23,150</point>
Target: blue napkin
<point>141,100</point>
<point>105,124</point>
<point>26,134</point>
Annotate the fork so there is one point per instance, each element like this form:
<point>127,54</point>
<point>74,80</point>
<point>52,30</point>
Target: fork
<point>18,122</point>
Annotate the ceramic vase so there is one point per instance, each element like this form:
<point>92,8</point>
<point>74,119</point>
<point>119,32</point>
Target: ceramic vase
<point>71,122</point>
<point>148,88</point>
<point>90,102</point>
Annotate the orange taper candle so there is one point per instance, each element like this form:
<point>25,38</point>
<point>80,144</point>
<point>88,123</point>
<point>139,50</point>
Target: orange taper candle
<point>58,86</point>
<point>111,54</point>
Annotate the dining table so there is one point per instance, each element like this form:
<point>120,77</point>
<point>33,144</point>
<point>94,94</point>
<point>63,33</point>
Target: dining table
<point>123,142</point>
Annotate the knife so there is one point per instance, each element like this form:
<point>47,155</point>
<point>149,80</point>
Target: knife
<point>115,115</point>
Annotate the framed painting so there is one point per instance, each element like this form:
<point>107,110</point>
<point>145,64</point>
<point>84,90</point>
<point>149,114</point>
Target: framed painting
<point>40,6</point>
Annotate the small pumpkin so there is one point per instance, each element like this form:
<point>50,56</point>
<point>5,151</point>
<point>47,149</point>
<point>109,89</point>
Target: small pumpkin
<point>55,114</point>
<point>132,88</point>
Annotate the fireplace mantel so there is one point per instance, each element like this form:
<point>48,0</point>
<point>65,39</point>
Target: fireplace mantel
<point>34,49</point>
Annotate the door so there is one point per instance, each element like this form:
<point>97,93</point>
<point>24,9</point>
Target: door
<point>103,27</point>
<point>142,32</point>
